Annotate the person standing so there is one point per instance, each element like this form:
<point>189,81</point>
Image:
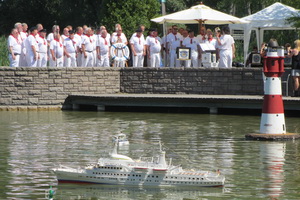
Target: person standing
<point>14,48</point>
<point>138,48</point>
<point>56,51</point>
<point>226,48</point>
<point>192,42</point>
<point>43,48</point>
<point>174,40</point>
<point>87,46</point>
<point>153,45</point>
<point>78,36</point>
<point>119,37</point>
<point>32,48</point>
<point>295,55</point>
<point>70,50</point>
<point>103,49</point>
<point>65,33</point>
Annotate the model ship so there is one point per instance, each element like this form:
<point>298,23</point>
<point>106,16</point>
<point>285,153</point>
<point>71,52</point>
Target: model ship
<point>119,169</point>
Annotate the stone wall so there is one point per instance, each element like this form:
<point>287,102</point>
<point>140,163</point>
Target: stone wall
<point>51,86</point>
<point>216,81</point>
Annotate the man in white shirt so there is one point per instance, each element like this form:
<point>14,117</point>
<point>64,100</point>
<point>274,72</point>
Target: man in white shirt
<point>192,42</point>
<point>70,50</point>
<point>87,46</point>
<point>50,37</point>
<point>119,37</point>
<point>56,51</point>
<point>153,45</point>
<point>138,48</point>
<point>22,37</point>
<point>32,48</point>
<point>174,40</point>
<point>43,48</point>
<point>78,36</point>
<point>103,49</point>
<point>14,48</point>
<point>65,33</point>
<point>226,47</point>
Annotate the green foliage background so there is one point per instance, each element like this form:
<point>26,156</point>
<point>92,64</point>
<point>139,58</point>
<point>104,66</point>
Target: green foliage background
<point>129,13</point>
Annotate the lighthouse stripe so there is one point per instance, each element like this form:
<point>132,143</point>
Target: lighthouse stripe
<point>272,124</point>
<point>273,104</point>
<point>273,86</point>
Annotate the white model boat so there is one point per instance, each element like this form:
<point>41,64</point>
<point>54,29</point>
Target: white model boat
<point>123,170</point>
<point>121,139</point>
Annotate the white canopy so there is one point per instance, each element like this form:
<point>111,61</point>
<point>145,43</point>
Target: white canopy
<point>271,18</point>
<point>199,14</point>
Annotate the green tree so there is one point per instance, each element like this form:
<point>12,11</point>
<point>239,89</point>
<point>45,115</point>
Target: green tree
<point>130,14</point>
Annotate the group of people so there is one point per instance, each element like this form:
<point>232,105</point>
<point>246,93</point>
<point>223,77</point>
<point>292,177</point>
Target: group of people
<point>88,47</point>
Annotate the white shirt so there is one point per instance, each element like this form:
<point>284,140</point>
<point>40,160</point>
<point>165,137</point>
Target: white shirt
<point>64,37</point>
<point>79,39</point>
<point>202,38</point>
<point>104,44</point>
<point>154,43</point>
<point>50,37</point>
<point>71,45</point>
<point>15,43</point>
<point>191,43</point>
<point>115,38</point>
<point>31,41</point>
<point>23,36</point>
<point>134,34</point>
<point>88,41</point>
<point>213,42</point>
<point>43,44</point>
<point>226,42</point>
<point>138,43</point>
<point>57,47</point>
<point>174,40</point>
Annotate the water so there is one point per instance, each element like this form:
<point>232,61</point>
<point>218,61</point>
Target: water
<point>33,142</point>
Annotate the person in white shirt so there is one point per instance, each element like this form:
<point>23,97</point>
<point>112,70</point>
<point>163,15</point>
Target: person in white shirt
<point>78,36</point>
<point>202,36</point>
<point>226,47</point>
<point>153,45</point>
<point>94,47</point>
<point>119,37</point>
<point>87,46</point>
<point>56,51</point>
<point>70,50</point>
<point>138,48</point>
<point>107,35</point>
<point>21,37</point>
<point>32,48</point>
<point>14,48</point>
<point>174,40</point>
<point>192,42</point>
<point>103,49</point>
<point>25,28</point>
<point>43,48</point>
<point>65,33</point>
<point>210,38</point>
<point>39,27</point>
<point>164,43</point>
<point>50,37</point>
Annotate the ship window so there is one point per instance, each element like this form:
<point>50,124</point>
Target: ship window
<point>156,176</point>
<point>152,176</point>
<point>140,175</point>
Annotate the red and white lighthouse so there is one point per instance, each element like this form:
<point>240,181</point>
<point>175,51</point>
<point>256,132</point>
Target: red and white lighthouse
<point>272,118</point>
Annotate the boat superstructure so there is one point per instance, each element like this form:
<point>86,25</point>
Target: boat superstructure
<point>122,170</point>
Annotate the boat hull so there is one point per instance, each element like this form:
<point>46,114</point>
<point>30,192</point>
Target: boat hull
<point>138,179</point>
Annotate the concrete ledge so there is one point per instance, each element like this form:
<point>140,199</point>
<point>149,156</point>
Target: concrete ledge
<point>259,136</point>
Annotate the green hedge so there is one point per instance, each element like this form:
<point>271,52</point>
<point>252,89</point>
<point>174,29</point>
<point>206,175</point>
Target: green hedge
<point>3,52</point>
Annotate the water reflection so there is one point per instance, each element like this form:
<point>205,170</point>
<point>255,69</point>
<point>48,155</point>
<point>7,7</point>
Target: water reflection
<point>69,191</point>
<point>33,142</point>
<point>272,157</point>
